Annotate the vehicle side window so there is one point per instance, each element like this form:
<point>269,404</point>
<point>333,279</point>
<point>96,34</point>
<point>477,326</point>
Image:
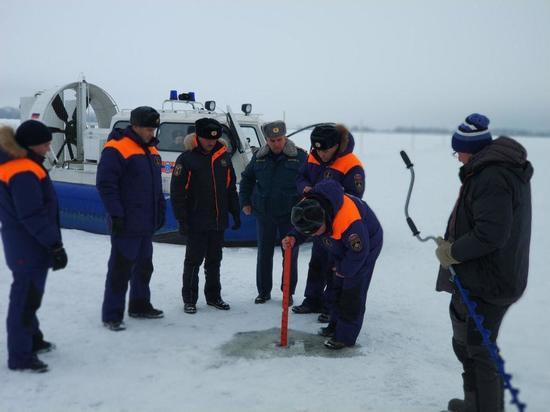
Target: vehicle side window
<point>121,124</point>
<point>171,136</point>
<point>251,135</point>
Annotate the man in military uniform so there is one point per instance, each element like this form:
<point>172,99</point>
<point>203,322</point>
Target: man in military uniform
<point>130,185</point>
<point>31,235</point>
<point>203,192</point>
<point>268,190</point>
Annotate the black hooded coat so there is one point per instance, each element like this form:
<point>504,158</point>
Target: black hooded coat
<point>490,226</point>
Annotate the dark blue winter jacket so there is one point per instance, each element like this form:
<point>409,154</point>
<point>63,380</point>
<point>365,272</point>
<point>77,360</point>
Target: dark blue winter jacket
<point>268,183</point>
<point>130,184</point>
<point>345,168</point>
<point>28,207</point>
<point>352,230</point>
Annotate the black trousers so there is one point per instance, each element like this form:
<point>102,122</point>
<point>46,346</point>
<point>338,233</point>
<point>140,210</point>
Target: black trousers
<point>202,246</point>
<point>480,375</point>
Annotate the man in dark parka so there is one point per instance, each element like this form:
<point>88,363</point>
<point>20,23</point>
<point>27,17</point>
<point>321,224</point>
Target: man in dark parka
<point>31,235</point>
<point>203,192</point>
<point>487,242</point>
<point>130,185</point>
<point>268,190</point>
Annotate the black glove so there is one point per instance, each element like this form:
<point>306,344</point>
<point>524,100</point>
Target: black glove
<point>117,225</point>
<point>236,222</point>
<point>59,257</point>
<point>183,227</point>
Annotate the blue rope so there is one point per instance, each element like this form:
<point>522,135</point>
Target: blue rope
<point>486,335</point>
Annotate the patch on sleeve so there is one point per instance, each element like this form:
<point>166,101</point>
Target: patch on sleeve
<point>359,182</point>
<point>177,170</point>
<point>355,242</point>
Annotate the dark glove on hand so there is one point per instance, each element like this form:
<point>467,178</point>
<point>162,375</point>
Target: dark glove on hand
<point>183,227</point>
<point>236,222</point>
<point>59,257</point>
<point>117,225</point>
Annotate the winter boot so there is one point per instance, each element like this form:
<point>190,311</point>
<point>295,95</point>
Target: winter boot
<point>334,344</point>
<point>328,331</point>
<point>190,308</point>
<point>262,298</point>
<point>323,318</point>
<point>466,405</point>
<point>42,346</point>
<point>115,325</point>
<point>35,366</point>
<point>219,304</point>
<point>305,308</point>
<point>149,313</point>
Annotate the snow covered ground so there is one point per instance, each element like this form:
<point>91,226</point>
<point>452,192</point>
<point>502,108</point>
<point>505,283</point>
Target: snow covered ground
<point>403,361</point>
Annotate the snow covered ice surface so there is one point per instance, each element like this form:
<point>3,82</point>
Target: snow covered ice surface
<point>217,360</point>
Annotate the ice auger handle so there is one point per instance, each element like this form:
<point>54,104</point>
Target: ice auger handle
<point>410,221</point>
<point>407,163</point>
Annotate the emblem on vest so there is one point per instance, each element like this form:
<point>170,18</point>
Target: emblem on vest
<point>158,161</point>
<point>327,174</point>
<point>359,183</point>
<point>177,170</point>
<point>355,242</point>
<point>223,162</point>
<point>327,242</point>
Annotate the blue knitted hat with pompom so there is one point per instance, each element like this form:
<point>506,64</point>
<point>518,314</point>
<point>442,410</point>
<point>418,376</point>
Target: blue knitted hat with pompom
<point>472,135</point>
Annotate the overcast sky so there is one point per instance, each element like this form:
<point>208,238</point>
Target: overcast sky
<point>376,63</point>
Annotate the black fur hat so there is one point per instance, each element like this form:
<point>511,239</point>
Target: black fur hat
<point>208,128</point>
<point>324,137</point>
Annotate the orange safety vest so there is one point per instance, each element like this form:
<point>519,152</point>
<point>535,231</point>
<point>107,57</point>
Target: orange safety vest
<point>344,218</point>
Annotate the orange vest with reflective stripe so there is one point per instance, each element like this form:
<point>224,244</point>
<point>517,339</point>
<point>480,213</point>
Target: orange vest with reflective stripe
<point>13,167</point>
<point>342,164</point>
<point>127,147</point>
<point>344,218</point>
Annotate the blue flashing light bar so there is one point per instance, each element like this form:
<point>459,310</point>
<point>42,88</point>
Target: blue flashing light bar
<point>173,95</point>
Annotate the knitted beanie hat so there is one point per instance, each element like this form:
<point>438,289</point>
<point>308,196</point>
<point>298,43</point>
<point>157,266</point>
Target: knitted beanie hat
<point>472,135</point>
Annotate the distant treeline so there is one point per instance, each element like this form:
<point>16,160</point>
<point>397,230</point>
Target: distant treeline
<point>9,113</point>
<point>495,132</point>
<point>13,113</point>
